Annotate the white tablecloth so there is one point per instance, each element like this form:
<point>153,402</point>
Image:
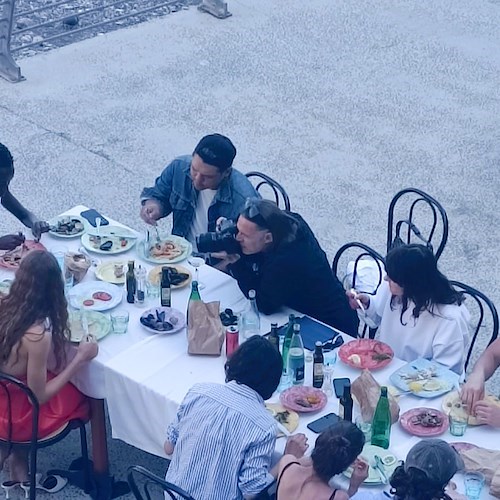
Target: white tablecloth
<point>144,377</point>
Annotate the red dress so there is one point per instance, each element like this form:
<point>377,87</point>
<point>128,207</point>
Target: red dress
<point>68,404</point>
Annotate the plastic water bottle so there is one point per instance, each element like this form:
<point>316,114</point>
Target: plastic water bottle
<point>250,319</point>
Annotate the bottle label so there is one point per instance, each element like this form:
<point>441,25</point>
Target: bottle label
<point>299,374</point>
<point>318,370</point>
<point>165,297</point>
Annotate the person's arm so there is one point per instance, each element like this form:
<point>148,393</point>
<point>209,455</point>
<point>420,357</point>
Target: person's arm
<point>155,200</point>
<point>359,474</point>
<point>473,390</point>
<point>37,226</point>
<point>38,347</point>
<point>254,474</point>
<point>172,433</point>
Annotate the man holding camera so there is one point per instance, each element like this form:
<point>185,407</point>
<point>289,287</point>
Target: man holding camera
<point>198,189</point>
<point>282,261</point>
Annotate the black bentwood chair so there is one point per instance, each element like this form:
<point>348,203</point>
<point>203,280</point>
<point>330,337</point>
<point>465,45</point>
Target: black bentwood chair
<point>8,383</point>
<point>152,480</point>
<point>422,218</point>
<point>484,317</point>
<point>265,183</point>
<point>358,253</point>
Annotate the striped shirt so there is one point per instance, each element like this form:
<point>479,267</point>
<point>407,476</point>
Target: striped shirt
<point>224,438</point>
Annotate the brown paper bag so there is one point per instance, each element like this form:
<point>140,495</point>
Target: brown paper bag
<point>367,392</point>
<point>77,264</point>
<point>205,331</point>
<point>485,461</point>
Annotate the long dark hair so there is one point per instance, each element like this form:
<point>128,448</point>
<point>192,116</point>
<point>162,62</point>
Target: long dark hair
<point>37,294</point>
<point>336,449</point>
<point>415,485</point>
<point>414,268</point>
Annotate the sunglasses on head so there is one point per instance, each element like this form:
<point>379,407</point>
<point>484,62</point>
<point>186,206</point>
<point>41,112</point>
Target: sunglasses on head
<point>253,212</point>
<point>333,343</point>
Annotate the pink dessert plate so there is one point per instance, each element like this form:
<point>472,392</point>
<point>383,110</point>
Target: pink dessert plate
<point>303,399</point>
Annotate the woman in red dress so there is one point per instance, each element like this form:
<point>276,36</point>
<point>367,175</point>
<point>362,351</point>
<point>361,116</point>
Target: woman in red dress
<point>33,326</point>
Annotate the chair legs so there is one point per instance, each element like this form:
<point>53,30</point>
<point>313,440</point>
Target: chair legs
<point>87,482</point>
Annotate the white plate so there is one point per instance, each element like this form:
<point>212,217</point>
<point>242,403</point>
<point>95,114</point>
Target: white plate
<point>169,312</point>
<point>108,233</point>
<point>106,272</point>
<point>188,248</point>
<point>84,291</point>
<point>388,458</point>
<point>55,220</point>
<point>99,325</point>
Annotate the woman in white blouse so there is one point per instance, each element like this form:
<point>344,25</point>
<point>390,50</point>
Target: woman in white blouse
<point>418,312</point>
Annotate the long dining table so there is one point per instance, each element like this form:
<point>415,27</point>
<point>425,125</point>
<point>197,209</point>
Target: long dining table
<point>143,377</point>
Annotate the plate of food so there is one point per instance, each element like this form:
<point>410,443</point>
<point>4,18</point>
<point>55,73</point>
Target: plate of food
<point>303,399</point>
<point>452,402</point>
<point>99,325</point>
<point>11,259</point>
<point>179,275</point>
<point>163,320</point>
<point>68,226</point>
<point>112,272</point>
<point>366,353</point>
<point>95,296</point>
<point>110,240</point>
<point>460,446</point>
<point>168,250</point>
<point>424,422</point>
<point>289,419</point>
<point>389,462</point>
<point>424,378</point>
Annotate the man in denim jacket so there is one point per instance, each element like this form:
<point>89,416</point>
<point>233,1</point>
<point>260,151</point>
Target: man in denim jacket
<point>198,189</point>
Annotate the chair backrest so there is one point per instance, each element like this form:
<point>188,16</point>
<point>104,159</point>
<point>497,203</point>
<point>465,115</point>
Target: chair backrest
<point>421,217</point>
<point>263,181</point>
<point>484,317</point>
<point>6,383</point>
<point>359,255</point>
<point>150,480</point>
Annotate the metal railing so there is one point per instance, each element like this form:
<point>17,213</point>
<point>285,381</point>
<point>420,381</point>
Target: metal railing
<point>84,20</point>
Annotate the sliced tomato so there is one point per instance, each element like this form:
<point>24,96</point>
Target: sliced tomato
<point>88,302</point>
<point>101,296</point>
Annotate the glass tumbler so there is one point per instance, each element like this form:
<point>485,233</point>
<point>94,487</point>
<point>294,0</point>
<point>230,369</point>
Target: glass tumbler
<point>474,482</point>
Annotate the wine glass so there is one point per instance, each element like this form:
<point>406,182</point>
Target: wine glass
<point>197,262</point>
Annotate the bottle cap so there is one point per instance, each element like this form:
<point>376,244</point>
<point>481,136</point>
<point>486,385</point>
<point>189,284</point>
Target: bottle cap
<point>251,294</point>
<point>318,343</point>
<point>296,327</point>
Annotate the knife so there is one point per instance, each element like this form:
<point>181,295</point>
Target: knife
<point>379,466</point>
<point>283,429</point>
<point>85,324</point>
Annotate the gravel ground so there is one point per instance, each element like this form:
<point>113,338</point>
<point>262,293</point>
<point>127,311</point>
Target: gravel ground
<point>70,19</point>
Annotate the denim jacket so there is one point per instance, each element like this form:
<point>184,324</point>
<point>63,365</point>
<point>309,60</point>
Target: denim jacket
<point>175,191</point>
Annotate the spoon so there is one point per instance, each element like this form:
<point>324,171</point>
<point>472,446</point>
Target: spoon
<point>98,221</point>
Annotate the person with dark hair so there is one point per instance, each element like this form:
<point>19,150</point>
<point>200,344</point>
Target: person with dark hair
<point>472,392</point>
<point>425,474</point>
<point>335,450</point>
<point>10,202</point>
<point>283,262</point>
<point>418,312</point>
<point>222,437</point>
<point>33,325</point>
<point>198,189</point>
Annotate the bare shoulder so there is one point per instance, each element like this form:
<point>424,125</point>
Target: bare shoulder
<point>37,336</point>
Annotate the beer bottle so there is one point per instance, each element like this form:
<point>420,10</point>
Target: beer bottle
<point>274,337</point>
<point>296,357</point>
<point>287,340</point>
<point>318,361</point>
<point>346,404</point>
<point>131,282</point>
<point>165,292</point>
<point>381,425</point>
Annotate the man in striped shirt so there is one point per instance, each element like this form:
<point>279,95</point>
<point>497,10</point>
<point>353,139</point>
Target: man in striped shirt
<point>222,438</point>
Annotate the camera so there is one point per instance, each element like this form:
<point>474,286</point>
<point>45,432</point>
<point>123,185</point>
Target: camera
<point>222,240</point>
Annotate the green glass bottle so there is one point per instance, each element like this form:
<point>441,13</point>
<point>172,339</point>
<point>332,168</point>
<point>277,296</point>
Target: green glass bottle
<point>287,341</point>
<point>195,293</point>
<point>381,425</point>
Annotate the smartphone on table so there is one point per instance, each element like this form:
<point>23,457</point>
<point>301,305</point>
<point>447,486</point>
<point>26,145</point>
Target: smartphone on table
<point>91,215</point>
<point>323,423</point>
<point>339,384</point>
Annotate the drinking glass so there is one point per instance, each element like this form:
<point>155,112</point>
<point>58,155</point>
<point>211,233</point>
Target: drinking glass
<point>474,482</point>
<point>119,321</point>
<point>364,427</point>
<point>329,360</point>
<point>153,292</point>
<point>458,424</point>
<point>59,252</point>
<point>197,262</point>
